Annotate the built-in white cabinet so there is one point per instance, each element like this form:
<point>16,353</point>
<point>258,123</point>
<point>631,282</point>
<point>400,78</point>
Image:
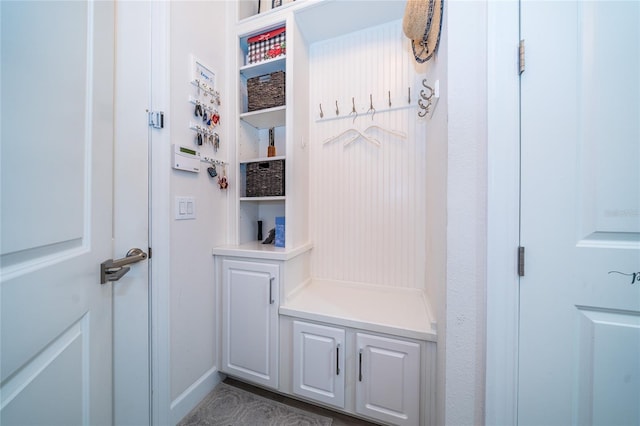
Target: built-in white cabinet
<point>250,299</point>
<point>352,357</point>
<point>318,362</point>
<point>386,371</point>
<point>388,386</point>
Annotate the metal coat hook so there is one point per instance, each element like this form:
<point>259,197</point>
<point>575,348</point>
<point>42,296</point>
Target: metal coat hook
<point>337,110</point>
<point>426,108</point>
<point>371,108</point>
<point>353,109</point>
<point>209,90</point>
<point>321,113</point>
<point>409,95</point>
<point>213,161</point>
<point>389,98</point>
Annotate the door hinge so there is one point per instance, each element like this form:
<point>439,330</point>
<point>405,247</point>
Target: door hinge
<point>521,261</point>
<point>156,119</point>
<point>521,56</point>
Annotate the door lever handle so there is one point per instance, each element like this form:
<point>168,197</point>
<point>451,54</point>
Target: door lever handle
<point>113,270</point>
<point>133,256</point>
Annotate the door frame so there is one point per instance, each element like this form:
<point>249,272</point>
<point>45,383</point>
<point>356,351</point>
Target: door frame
<point>503,212</point>
<point>159,216</point>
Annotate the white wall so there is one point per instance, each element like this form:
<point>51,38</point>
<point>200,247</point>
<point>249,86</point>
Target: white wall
<point>466,212</point>
<point>436,217</point>
<point>368,202</point>
<point>196,28</point>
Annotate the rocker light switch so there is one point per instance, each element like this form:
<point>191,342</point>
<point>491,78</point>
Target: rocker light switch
<point>185,208</point>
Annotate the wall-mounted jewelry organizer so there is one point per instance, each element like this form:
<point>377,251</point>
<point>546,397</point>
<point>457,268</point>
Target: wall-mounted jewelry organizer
<point>223,181</point>
<point>205,102</point>
<point>213,161</point>
<point>205,135</point>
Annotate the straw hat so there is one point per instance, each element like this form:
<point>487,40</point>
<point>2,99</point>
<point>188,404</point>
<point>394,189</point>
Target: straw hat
<point>422,23</point>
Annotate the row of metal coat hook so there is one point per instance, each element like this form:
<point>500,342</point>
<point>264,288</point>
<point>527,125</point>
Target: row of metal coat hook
<point>426,102</point>
<point>223,180</point>
<point>208,112</point>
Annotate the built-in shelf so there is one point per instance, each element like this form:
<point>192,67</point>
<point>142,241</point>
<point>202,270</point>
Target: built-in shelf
<point>398,311</point>
<point>264,67</point>
<point>325,19</point>
<point>265,118</point>
<point>261,159</point>
<point>254,199</point>
<point>312,17</point>
<point>248,12</point>
<point>257,250</point>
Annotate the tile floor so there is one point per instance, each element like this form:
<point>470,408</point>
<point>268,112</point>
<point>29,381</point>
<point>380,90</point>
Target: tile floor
<point>339,419</point>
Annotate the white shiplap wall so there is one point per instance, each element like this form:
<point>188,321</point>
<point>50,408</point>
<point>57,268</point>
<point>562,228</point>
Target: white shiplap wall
<point>368,203</point>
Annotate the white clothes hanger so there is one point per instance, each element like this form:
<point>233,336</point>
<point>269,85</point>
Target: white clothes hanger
<point>397,133</point>
<point>333,138</point>
<point>359,134</point>
<point>362,135</point>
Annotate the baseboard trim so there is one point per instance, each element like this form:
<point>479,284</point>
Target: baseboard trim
<point>187,400</point>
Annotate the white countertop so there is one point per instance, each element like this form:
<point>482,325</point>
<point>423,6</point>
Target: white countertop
<point>257,250</point>
<point>398,311</point>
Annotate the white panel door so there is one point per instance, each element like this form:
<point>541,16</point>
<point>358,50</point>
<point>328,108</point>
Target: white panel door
<point>250,321</point>
<point>580,219</point>
<point>56,226</point>
<point>388,379</point>
<point>318,362</point>
<point>131,311</point>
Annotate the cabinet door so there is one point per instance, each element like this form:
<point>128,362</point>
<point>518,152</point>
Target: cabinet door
<point>250,321</point>
<point>388,379</point>
<point>318,362</point>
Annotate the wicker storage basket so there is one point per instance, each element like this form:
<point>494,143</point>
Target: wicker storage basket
<point>266,91</point>
<point>265,179</point>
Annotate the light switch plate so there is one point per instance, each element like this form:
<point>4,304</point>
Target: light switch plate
<point>185,208</point>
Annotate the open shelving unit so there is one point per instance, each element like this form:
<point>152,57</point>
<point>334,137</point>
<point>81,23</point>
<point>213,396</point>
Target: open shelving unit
<point>252,139</point>
<point>265,118</point>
